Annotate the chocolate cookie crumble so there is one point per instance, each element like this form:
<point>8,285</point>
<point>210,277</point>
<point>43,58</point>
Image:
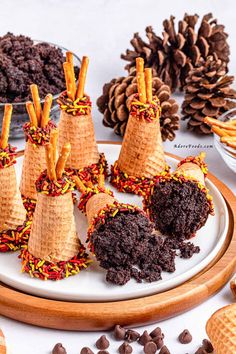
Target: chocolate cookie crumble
<point>178,209</point>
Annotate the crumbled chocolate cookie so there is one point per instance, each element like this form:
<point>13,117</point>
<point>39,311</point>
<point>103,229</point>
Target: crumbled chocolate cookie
<point>178,209</point>
<point>24,62</point>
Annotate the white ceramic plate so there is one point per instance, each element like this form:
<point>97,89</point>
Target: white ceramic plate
<point>90,285</point>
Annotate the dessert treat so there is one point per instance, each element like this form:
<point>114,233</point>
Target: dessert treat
<point>179,203</point>
<point>37,134</point>
<point>76,126</point>
<point>123,239</point>
<point>141,157</point>
<point>221,329</point>
<point>54,250</point>
<point>14,228</point>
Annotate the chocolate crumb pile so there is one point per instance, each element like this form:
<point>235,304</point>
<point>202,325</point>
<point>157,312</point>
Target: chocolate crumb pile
<point>178,209</point>
<point>23,63</point>
<point>127,247</point>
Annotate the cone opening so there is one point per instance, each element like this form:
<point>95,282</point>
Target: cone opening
<point>145,111</point>
<point>38,135</point>
<point>7,156</point>
<point>90,192</point>
<point>79,107</point>
<point>198,160</point>
<point>130,184</point>
<point>54,188</point>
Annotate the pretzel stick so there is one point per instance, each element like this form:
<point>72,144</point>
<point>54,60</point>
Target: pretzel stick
<point>31,113</point>
<point>37,105</point>
<point>6,122</point>
<point>226,139</point>
<point>53,141</point>
<point>212,121</point>
<point>70,60</point>
<point>231,122</point>
<point>140,80</point>
<point>61,162</point>
<point>50,162</point>
<point>222,132</point>
<point>46,110</point>
<point>148,83</point>
<point>82,78</point>
<point>79,184</point>
<point>101,180</point>
<point>67,73</point>
<point>232,145</point>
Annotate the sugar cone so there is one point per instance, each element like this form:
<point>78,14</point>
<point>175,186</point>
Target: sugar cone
<point>192,170</point>
<point>34,163</point>
<point>142,153</point>
<point>3,347</point>
<point>53,237</point>
<point>221,329</point>
<point>12,212</point>
<point>79,131</point>
<point>96,203</point>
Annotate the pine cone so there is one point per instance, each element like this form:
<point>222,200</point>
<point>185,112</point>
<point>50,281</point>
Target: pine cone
<point>207,93</point>
<point>175,53</point>
<point>114,105</point>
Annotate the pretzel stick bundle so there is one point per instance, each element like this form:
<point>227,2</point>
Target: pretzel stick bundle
<point>36,100</point>
<point>61,163</point>
<point>6,126</point>
<point>82,78</point>
<point>53,141</point>
<point>225,130</point>
<point>50,162</point>
<point>141,157</point>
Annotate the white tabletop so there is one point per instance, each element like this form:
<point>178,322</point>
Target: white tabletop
<point>102,29</point>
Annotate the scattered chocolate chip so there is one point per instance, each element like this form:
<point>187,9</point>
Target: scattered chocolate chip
<point>86,350</point>
<point>156,332</point>
<point>150,348</point>
<point>132,336</point>
<point>119,332</point>
<point>58,349</point>
<point>103,352</point>
<point>125,348</point>
<point>201,350</point>
<point>102,343</point>
<point>164,350</point>
<point>185,337</point>
<point>158,341</point>
<point>206,344</point>
<point>145,338</point>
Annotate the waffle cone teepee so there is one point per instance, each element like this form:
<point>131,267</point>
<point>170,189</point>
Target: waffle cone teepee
<point>3,346</point>
<point>76,126</point>
<point>37,134</point>
<point>96,203</point>
<point>14,227</point>
<point>173,214</point>
<point>54,246</point>
<point>141,157</point>
<point>221,329</point>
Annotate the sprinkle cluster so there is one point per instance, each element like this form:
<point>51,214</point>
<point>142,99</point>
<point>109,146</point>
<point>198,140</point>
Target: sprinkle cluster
<point>39,135</point>
<point>54,188</point>
<point>130,184</point>
<point>7,156</point>
<point>181,178</point>
<point>13,240</point>
<point>44,270</point>
<point>78,107</point>
<point>110,211</point>
<point>29,204</point>
<point>196,160</point>
<point>145,111</point>
<point>89,193</point>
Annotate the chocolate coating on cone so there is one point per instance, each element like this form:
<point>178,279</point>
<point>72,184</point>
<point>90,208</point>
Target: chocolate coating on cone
<point>142,153</point>
<point>53,236</point>
<point>79,131</point>
<point>12,212</point>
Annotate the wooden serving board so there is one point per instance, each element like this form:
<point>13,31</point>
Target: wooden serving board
<point>102,316</point>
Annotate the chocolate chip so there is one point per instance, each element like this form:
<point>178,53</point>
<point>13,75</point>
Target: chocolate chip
<point>103,352</point>
<point>132,336</point>
<point>207,346</point>
<point>86,350</point>
<point>58,349</point>
<point>119,332</point>
<point>185,337</point>
<point>125,348</point>
<point>158,341</point>
<point>156,332</point>
<point>201,350</point>
<point>164,350</point>
<point>102,343</point>
<point>145,338</point>
<point>150,348</point>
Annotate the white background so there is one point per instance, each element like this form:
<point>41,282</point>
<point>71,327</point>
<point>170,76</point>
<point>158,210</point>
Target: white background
<point>102,29</point>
